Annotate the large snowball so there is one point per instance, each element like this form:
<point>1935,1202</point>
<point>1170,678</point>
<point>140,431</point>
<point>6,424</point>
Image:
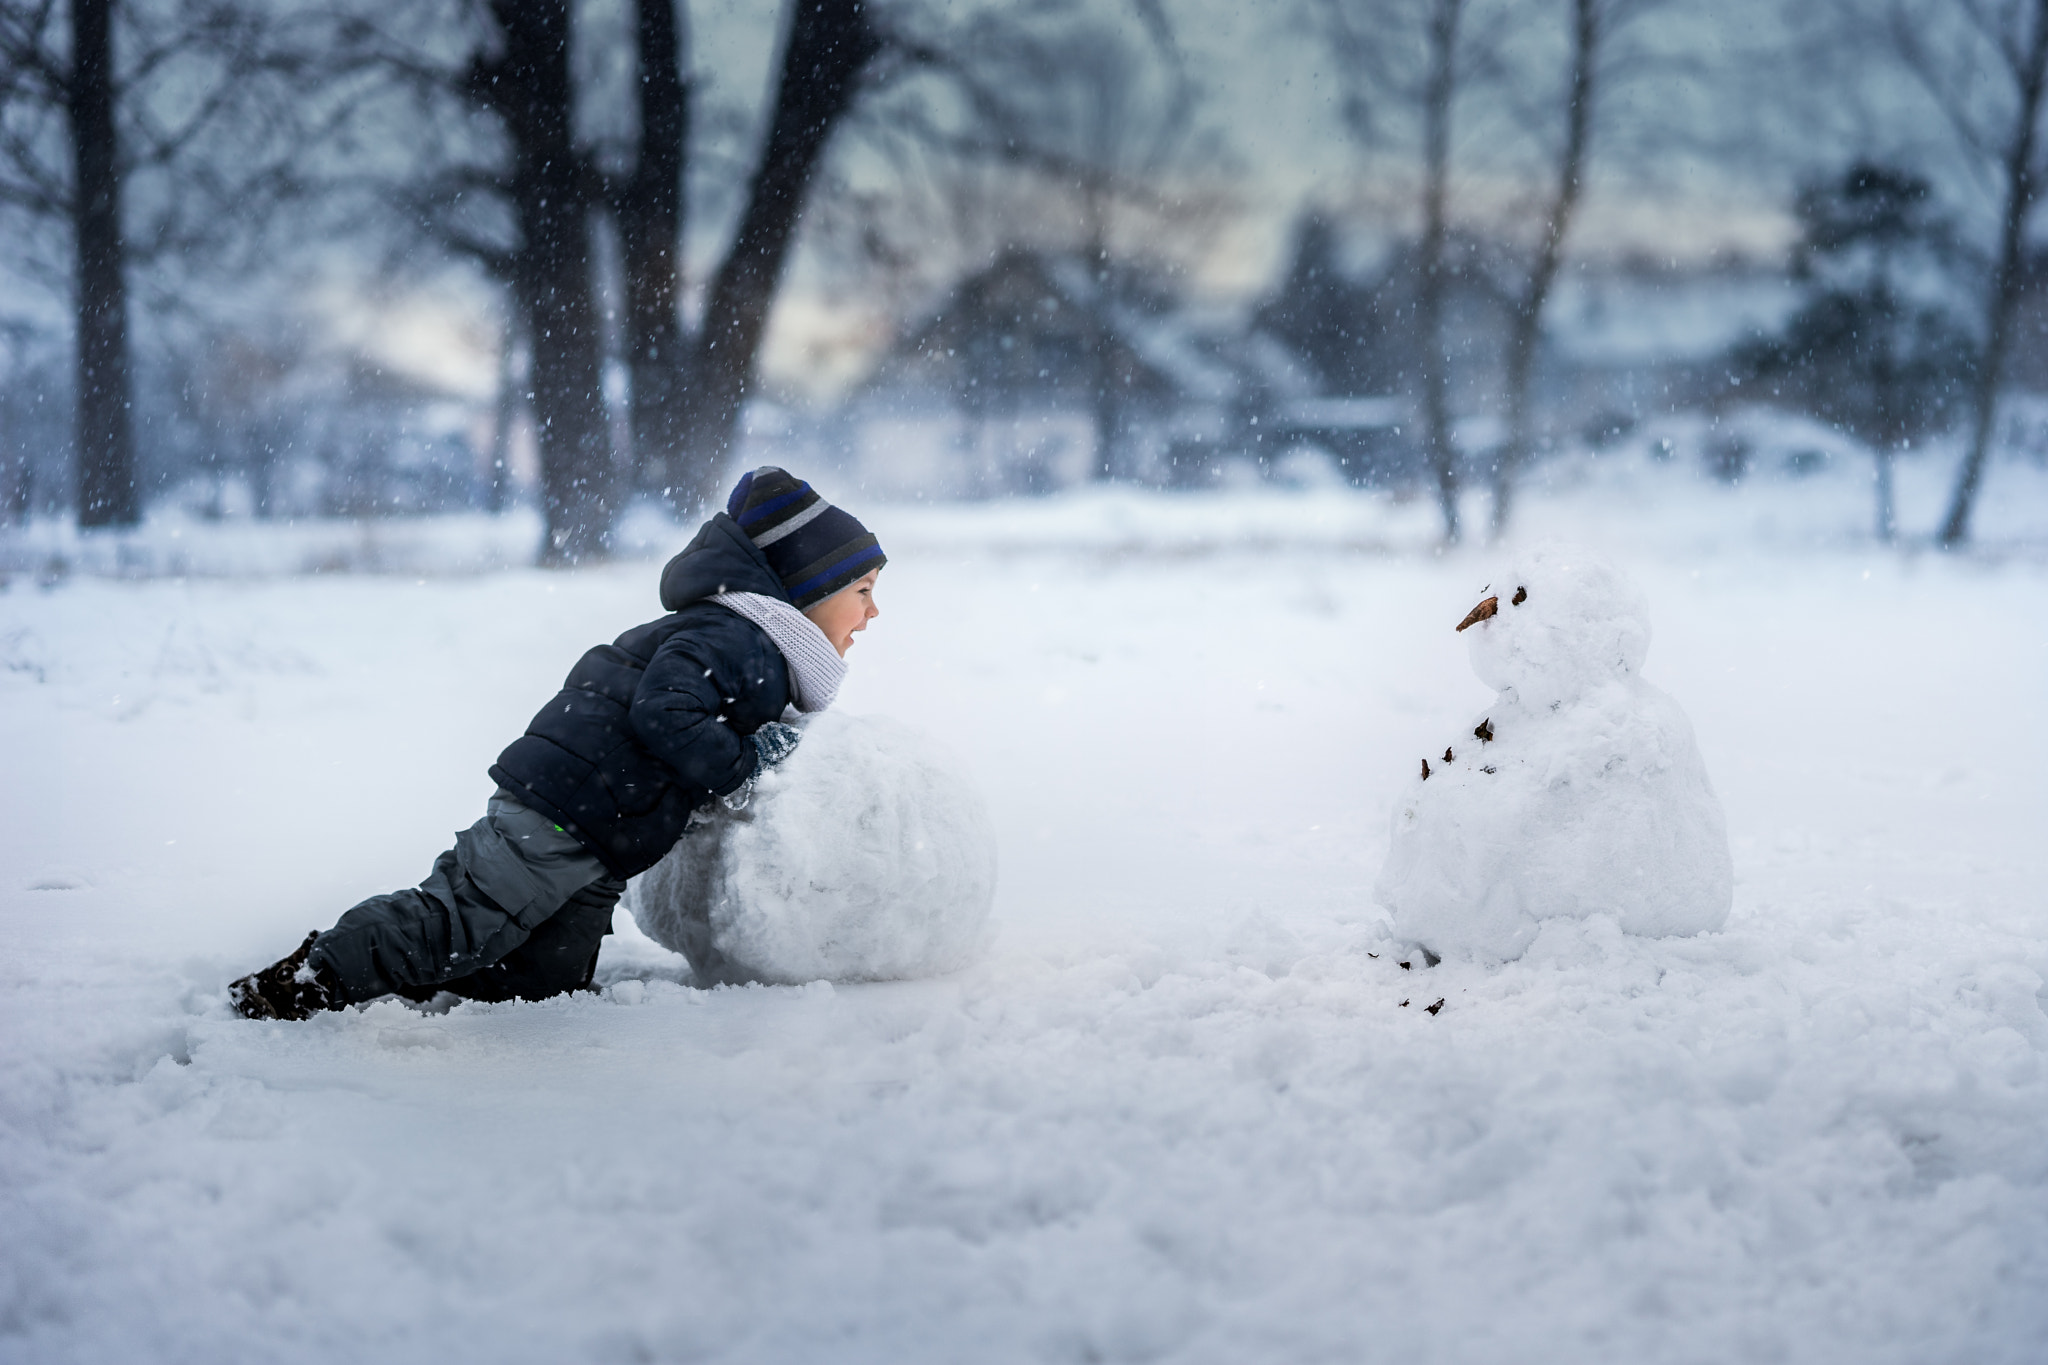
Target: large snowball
<point>1590,798</point>
<point>866,855</point>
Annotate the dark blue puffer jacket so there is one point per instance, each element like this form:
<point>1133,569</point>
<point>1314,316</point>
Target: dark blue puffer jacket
<point>651,726</point>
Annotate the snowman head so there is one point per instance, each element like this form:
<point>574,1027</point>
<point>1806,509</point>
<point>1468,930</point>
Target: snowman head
<point>1564,620</point>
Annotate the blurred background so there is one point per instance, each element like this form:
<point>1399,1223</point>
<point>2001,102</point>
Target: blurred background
<point>537,277</point>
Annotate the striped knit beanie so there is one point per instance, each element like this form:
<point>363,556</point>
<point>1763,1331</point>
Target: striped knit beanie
<point>814,548</point>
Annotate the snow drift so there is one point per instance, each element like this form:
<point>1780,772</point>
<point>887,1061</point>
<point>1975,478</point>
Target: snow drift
<point>1579,792</point>
<point>867,855</point>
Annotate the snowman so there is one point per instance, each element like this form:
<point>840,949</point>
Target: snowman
<point>866,855</point>
<point>1578,792</point>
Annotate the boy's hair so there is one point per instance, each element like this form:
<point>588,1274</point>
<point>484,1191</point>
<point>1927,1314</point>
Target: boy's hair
<point>814,548</point>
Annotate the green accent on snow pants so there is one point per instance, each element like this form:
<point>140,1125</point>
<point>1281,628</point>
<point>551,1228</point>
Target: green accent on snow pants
<point>517,909</point>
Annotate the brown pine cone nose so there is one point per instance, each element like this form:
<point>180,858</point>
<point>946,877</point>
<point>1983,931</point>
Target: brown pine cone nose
<point>1480,612</point>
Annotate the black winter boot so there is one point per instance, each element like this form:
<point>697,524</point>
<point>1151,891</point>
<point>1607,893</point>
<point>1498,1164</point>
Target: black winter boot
<point>288,988</point>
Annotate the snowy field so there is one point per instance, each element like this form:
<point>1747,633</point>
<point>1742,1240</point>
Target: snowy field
<point>1179,1112</point>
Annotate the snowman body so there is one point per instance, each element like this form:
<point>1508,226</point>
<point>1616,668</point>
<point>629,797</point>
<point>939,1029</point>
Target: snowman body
<point>1579,792</point>
<point>866,855</point>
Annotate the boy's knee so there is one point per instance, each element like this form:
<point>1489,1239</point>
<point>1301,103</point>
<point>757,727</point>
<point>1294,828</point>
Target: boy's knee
<point>560,955</point>
<point>529,880</point>
<point>445,927</point>
<point>478,906</point>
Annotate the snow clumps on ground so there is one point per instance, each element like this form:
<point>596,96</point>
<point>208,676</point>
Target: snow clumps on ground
<point>867,855</point>
<point>1579,792</point>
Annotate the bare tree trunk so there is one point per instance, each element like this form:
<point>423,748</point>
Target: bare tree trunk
<point>107,495</point>
<point>505,412</point>
<point>529,86</point>
<point>1891,417</point>
<point>1429,305</point>
<point>20,501</point>
<point>1104,409</point>
<point>830,43</point>
<point>2005,280</point>
<point>1887,498</point>
<point>1526,333</point>
<point>650,210</point>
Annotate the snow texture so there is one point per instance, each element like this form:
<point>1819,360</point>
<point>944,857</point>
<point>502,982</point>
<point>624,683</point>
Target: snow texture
<point>1179,1112</point>
<point>867,855</point>
<point>1579,792</point>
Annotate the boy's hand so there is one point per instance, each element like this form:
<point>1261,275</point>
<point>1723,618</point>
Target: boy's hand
<point>772,743</point>
<point>775,742</point>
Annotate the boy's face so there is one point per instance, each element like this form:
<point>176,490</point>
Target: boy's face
<point>847,611</point>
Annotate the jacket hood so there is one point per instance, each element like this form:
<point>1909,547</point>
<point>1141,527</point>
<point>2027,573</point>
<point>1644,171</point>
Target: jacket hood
<point>721,559</point>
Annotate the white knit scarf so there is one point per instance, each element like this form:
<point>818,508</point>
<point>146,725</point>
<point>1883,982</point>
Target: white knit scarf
<point>815,668</point>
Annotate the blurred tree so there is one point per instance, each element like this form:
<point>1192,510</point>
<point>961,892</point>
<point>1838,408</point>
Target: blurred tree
<point>650,206</point>
<point>1589,23</point>
<point>1984,64</point>
<point>525,211</point>
<point>496,174</point>
<point>525,81</point>
<point>78,80</point>
<point>1095,111</point>
<point>1047,128</point>
<point>1875,349</point>
<point>1498,95</point>
<point>17,402</point>
<point>829,45</point>
<point>1406,60</point>
<point>206,105</point>
<point>1599,57</point>
<point>107,494</point>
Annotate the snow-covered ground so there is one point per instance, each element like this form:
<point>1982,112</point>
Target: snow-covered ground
<point>1179,1112</point>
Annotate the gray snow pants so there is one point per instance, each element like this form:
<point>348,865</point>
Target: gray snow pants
<point>517,909</point>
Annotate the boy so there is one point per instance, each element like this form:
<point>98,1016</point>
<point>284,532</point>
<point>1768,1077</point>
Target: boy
<point>763,606</point>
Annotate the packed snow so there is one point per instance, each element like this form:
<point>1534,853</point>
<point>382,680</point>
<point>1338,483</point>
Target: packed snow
<point>1579,792</point>
<point>867,855</point>
<point>1179,1110</point>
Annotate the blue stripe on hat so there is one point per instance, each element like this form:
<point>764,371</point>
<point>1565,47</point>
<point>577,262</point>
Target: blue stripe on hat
<point>860,557</point>
<point>738,500</point>
<point>754,514</point>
